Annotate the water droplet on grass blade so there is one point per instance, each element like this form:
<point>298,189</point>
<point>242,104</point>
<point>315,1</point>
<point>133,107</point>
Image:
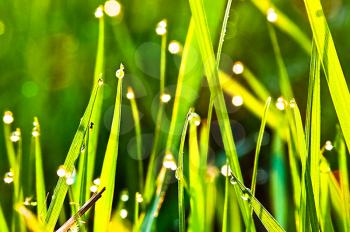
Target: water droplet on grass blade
<point>246,195</point>
<point>15,136</point>
<point>169,162</point>
<point>99,12</point>
<point>112,8</point>
<point>8,117</point>
<point>161,27</point>
<point>9,177</point>
<point>271,15</point>
<point>61,171</point>
<point>233,180</point>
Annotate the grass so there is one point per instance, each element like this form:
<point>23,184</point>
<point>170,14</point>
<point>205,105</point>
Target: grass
<point>305,194</point>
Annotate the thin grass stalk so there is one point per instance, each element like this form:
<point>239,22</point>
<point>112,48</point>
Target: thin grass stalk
<point>39,173</point>
<point>136,117</point>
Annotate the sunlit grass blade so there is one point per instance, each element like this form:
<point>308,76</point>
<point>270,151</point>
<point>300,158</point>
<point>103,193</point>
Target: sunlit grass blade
<point>211,71</point>
<point>334,74</point>
<point>135,114</point>
<point>325,203</point>
<point>225,212</point>
<point>3,223</point>
<point>80,187</point>
<point>313,125</point>
<point>30,219</point>
<point>265,217</point>
<point>258,145</point>
<point>97,111</point>
<point>103,207</point>
<point>308,214</point>
<point>180,174</point>
<point>284,23</point>
<point>196,179</point>
<point>343,179</point>
<point>284,82</point>
<point>61,188</point>
<point>10,149</point>
<point>39,173</point>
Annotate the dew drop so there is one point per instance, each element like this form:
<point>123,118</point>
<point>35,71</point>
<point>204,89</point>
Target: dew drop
<point>233,180</point>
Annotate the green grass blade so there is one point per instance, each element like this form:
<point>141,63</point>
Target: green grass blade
<point>180,174</point>
<point>10,149</point>
<point>103,207</point>
<point>313,125</point>
<point>343,179</point>
<point>225,211</point>
<point>325,209</point>
<point>61,188</point>
<point>308,214</point>
<point>97,111</point>
<point>136,117</point>
<point>211,71</point>
<point>284,82</point>
<point>3,223</point>
<point>39,174</point>
<point>334,74</point>
<point>196,185</point>
<point>265,217</point>
<point>258,145</point>
<point>284,24</point>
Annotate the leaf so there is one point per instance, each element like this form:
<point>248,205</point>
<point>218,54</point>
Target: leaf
<point>39,174</point>
<point>103,207</point>
<point>334,74</point>
<point>61,188</point>
<point>265,217</point>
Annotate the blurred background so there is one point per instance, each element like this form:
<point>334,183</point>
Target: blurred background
<point>47,58</point>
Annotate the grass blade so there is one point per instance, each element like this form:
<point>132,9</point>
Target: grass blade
<point>180,174</point>
<point>61,188</point>
<point>284,24</point>
<point>3,223</point>
<point>97,110</point>
<point>334,74</point>
<point>103,208</point>
<point>39,173</point>
<point>265,217</point>
<point>135,114</point>
<point>211,71</point>
<point>343,179</point>
<point>196,185</point>
<point>258,145</point>
<point>313,125</point>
